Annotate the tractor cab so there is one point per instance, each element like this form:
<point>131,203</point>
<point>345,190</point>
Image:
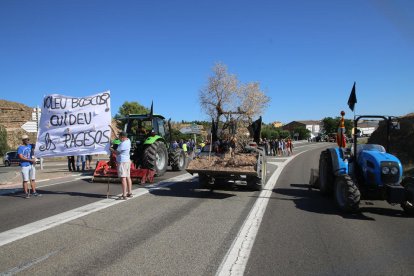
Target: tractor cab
<point>142,129</point>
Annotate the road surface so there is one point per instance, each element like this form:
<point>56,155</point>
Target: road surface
<point>175,228</point>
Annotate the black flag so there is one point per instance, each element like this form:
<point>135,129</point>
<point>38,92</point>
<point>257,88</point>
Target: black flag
<point>152,109</point>
<point>352,98</point>
<point>255,129</point>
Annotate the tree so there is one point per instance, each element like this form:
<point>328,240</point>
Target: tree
<point>129,108</point>
<point>4,147</point>
<point>253,101</point>
<point>303,132</point>
<point>283,134</point>
<point>227,101</point>
<point>270,132</point>
<point>218,97</point>
<point>330,125</point>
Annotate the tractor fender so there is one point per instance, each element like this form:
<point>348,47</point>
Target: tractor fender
<point>339,162</point>
<point>152,139</point>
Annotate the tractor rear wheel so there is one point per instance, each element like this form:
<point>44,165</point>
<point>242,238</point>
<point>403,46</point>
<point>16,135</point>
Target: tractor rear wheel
<point>326,175</point>
<point>408,204</point>
<point>156,158</point>
<point>177,160</point>
<point>347,195</point>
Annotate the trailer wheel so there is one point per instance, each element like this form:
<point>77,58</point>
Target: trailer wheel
<point>254,183</point>
<point>408,204</point>
<point>177,160</point>
<point>155,158</point>
<point>347,195</point>
<point>326,176</point>
<point>202,180</point>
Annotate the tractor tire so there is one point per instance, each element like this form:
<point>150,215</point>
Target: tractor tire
<point>156,158</point>
<point>202,181</point>
<point>7,163</point>
<point>326,175</point>
<point>408,204</point>
<point>347,195</point>
<point>254,183</point>
<point>177,160</point>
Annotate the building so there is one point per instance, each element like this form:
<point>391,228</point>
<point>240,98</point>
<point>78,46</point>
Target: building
<point>313,126</point>
<point>366,128</point>
<point>277,124</point>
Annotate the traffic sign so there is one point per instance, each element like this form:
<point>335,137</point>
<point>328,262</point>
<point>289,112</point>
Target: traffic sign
<point>30,126</point>
<point>193,129</point>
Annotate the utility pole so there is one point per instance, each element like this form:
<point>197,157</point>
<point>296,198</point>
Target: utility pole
<point>37,112</point>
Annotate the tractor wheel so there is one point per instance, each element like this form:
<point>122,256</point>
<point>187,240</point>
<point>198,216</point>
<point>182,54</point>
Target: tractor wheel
<point>7,163</point>
<point>347,195</point>
<point>202,180</point>
<point>408,204</point>
<point>326,175</point>
<point>156,158</point>
<point>177,160</point>
<point>254,183</point>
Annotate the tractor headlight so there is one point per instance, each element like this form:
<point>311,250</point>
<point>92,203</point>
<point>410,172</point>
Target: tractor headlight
<point>394,170</point>
<point>385,170</point>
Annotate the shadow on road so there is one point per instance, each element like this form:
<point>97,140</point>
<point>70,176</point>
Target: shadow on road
<point>189,189</point>
<point>44,192</point>
<point>308,199</point>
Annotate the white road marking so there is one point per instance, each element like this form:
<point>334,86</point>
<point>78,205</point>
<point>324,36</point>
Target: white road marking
<point>47,223</point>
<point>235,261</point>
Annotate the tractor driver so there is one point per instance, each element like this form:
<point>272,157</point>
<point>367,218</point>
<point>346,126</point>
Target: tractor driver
<point>142,131</point>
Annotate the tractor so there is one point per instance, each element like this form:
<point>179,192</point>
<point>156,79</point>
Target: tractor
<point>151,144</point>
<point>365,171</point>
<point>151,150</point>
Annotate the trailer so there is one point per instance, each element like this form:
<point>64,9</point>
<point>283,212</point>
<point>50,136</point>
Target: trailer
<point>213,168</point>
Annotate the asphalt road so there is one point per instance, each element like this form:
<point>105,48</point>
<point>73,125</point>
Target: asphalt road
<point>183,230</point>
<point>302,233</point>
<point>174,230</point>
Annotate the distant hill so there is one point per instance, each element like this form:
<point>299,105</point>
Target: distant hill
<point>12,116</point>
<point>401,143</point>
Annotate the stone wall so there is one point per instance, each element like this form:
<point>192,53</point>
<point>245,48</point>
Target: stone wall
<point>12,116</point>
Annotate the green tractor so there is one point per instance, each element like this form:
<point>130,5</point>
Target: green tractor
<point>151,143</point>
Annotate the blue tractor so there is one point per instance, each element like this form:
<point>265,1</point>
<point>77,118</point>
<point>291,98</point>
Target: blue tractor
<point>365,171</point>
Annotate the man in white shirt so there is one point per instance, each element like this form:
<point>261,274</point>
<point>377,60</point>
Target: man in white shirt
<point>123,162</point>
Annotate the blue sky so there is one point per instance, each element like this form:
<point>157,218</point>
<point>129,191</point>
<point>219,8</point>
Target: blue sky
<point>305,54</point>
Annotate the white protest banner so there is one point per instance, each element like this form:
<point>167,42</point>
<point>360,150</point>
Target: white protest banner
<point>74,126</point>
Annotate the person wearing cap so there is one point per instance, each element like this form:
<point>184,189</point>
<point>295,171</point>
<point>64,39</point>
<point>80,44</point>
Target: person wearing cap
<point>27,162</point>
<point>124,164</point>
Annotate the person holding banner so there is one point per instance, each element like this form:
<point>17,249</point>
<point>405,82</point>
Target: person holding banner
<point>27,162</point>
<point>124,164</point>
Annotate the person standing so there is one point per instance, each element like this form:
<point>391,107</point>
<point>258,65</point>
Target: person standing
<point>71,163</point>
<point>288,146</point>
<point>123,162</point>
<point>80,160</point>
<point>291,146</point>
<point>88,162</point>
<point>184,147</point>
<point>27,162</point>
